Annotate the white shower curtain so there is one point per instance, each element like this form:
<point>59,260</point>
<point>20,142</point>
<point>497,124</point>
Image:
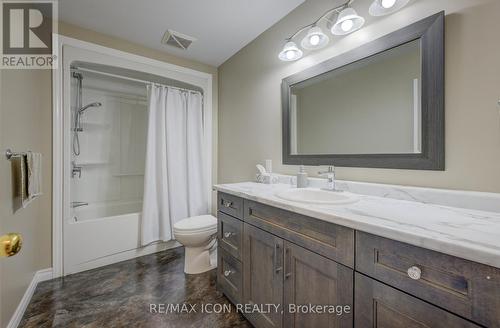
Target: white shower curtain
<point>175,178</point>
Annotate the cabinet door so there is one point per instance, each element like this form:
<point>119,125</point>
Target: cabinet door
<point>263,276</point>
<point>318,292</point>
<point>378,305</point>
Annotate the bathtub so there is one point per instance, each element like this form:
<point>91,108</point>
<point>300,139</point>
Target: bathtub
<point>104,210</point>
<point>105,233</point>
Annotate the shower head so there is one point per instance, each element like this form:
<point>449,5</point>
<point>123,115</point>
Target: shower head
<point>84,108</point>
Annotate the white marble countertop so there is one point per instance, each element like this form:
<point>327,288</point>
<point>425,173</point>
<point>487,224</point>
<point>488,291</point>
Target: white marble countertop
<point>465,233</point>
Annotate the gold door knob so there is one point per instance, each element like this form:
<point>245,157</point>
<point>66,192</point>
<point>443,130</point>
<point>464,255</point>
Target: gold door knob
<point>10,244</point>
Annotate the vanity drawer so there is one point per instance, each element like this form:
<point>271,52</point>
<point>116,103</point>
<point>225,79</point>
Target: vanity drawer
<point>230,204</point>
<point>230,232</point>
<point>378,305</point>
<point>466,288</point>
<point>229,276</point>
<point>330,240</point>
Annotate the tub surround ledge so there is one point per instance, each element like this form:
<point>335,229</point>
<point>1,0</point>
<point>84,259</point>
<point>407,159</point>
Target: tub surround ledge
<point>470,234</point>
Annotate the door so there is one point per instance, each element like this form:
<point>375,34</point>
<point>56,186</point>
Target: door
<point>318,292</point>
<point>262,277</point>
<point>378,305</point>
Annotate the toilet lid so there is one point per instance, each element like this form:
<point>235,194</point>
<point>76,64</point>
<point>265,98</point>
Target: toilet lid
<point>197,223</point>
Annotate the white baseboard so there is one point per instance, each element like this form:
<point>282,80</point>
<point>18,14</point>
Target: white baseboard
<point>40,275</point>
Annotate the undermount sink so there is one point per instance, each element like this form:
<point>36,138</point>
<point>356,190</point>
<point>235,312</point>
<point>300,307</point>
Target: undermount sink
<point>317,196</point>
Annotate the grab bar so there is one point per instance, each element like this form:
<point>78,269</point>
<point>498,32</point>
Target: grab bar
<point>78,204</point>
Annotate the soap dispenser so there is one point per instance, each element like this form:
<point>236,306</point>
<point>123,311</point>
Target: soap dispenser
<point>302,181</point>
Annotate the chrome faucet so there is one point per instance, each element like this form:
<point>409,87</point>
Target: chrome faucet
<point>76,170</point>
<point>330,178</point>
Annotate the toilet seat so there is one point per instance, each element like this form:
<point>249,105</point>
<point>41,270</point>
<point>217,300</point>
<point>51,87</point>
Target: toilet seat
<point>196,224</point>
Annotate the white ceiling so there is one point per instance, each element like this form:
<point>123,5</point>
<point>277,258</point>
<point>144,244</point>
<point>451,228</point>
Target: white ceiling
<point>221,27</point>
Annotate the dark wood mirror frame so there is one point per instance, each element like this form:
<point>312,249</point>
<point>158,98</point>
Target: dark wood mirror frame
<point>430,32</point>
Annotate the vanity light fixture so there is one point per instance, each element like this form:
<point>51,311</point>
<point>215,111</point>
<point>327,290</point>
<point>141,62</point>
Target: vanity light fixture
<point>347,22</point>
<point>386,7</point>
<point>315,39</point>
<point>290,52</point>
<point>341,20</point>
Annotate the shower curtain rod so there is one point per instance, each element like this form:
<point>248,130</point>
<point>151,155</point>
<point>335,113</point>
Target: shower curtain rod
<point>131,79</point>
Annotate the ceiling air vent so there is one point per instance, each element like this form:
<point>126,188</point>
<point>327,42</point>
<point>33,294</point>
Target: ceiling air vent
<point>178,40</point>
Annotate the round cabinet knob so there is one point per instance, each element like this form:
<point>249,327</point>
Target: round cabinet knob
<point>414,272</point>
<point>228,204</point>
<point>227,273</point>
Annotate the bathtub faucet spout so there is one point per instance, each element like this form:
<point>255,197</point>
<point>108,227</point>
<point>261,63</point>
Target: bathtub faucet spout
<point>78,204</point>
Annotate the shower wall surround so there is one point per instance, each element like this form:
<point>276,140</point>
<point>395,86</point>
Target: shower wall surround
<point>107,185</point>
<point>113,147</point>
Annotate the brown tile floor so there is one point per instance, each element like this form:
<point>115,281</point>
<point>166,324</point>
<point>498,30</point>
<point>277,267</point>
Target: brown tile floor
<point>120,295</point>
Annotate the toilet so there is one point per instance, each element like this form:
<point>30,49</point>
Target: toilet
<point>198,236</point>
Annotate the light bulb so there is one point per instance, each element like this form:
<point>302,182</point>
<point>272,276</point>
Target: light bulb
<point>388,3</point>
<point>347,25</point>
<point>314,39</point>
<point>386,7</point>
<point>347,22</point>
<point>290,54</point>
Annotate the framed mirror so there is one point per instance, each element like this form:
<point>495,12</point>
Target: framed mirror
<point>380,105</point>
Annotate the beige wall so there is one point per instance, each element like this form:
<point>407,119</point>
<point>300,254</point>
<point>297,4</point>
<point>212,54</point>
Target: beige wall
<point>2,231</point>
<point>123,45</point>
<point>26,123</point>
<point>250,106</point>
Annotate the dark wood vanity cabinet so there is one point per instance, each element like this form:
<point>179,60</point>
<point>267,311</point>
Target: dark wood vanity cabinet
<point>272,256</point>
<point>378,305</point>
<point>229,275</point>
<point>279,272</point>
<point>230,234</point>
<point>327,239</point>
<point>230,205</point>
<point>230,246</point>
<point>468,289</point>
<point>263,275</point>
<point>312,279</point>
<point>275,260</point>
